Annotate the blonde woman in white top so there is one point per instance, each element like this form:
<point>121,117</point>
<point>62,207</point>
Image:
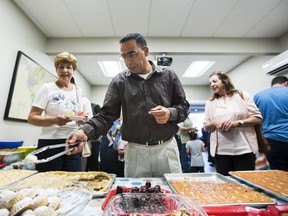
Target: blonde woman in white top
<point>53,102</point>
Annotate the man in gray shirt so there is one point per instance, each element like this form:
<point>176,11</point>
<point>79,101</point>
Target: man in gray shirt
<point>153,102</point>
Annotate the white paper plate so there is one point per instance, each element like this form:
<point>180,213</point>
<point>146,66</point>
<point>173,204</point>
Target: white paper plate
<point>77,118</point>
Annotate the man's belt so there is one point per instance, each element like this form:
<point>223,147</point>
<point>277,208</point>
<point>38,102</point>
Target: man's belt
<point>155,142</point>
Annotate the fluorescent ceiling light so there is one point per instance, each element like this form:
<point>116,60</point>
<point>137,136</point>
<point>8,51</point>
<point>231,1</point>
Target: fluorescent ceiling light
<point>197,68</point>
<point>110,68</point>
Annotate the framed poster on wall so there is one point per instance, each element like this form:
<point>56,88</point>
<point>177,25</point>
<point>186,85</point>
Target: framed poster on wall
<point>28,77</point>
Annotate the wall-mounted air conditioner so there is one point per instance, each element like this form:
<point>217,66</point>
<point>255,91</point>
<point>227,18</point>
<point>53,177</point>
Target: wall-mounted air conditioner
<point>277,65</point>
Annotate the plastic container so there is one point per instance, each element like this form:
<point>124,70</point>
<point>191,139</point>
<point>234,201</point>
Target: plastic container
<point>235,211</point>
<point>6,158</point>
<point>26,150</point>
<point>148,204</point>
<point>277,210</point>
<point>127,190</point>
<point>10,144</point>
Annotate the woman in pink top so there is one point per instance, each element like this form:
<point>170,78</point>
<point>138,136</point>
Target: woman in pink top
<point>230,119</point>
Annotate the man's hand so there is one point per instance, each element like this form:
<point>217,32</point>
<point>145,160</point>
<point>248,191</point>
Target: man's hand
<point>77,136</point>
<point>160,113</point>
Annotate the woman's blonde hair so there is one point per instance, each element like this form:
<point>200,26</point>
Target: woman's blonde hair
<point>225,79</point>
<point>65,57</point>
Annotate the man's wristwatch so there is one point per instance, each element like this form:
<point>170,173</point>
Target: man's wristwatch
<point>240,123</point>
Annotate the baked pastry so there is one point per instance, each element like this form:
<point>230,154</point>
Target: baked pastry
<point>44,211</point>
<point>21,206</point>
<point>4,212</point>
<point>100,181</point>
<point>54,202</point>
<point>40,201</point>
<point>273,180</point>
<point>208,192</point>
<point>10,176</point>
<point>28,212</point>
<point>5,198</point>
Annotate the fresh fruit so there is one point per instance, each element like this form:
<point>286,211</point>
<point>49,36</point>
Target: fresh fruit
<point>70,114</point>
<point>82,114</point>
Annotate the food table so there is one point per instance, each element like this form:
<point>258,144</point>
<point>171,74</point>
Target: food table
<point>94,206</point>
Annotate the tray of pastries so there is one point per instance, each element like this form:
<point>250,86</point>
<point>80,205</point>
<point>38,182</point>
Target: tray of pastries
<point>210,189</point>
<point>273,182</point>
<point>101,182</point>
<point>40,201</point>
<point>8,177</point>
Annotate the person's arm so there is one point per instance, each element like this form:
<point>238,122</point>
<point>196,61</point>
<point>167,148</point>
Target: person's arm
<point>121,152</point>
<point>229,124</point>
<point>187,129</point>
<point>187,150</point>
<point>35,117</point>
<point>177,112</point>
<point>116,130</point>
<point>87,108</point>
<point>203,148</point>
<point>121,146</point>
<point>211,126</point>
<point>248,122</point>
<point>208,124</point>
<point>254,115</point>
<point>102,122</point>
<point>77,136</point>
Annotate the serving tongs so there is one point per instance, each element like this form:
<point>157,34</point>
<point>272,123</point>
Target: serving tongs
<point>31,158</point>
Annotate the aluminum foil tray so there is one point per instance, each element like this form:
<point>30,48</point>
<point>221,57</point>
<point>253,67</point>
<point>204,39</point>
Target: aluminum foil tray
<point>276,178</point>
<point>62,179</point>
<point>213,189</point>
<point>11,177</point>
<point>213,177</point>
<point>102,194</point>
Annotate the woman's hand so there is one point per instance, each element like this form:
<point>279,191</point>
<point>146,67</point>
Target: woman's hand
<point>60,121</point>
<point>227,125</point>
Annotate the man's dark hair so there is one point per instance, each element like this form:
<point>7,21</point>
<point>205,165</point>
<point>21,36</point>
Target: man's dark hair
<point>279,80</point>
<point>140,40</point>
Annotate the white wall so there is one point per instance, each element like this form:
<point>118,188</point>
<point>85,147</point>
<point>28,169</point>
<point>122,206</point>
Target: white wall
<point>98,94</point>
<point>197,93</point>
<point>17,33</point>
<point>284,42</point>
<point>250,76</point>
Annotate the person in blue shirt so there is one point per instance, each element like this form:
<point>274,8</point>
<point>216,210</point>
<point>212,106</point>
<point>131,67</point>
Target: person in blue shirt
<point>116,134</point>
<point>273,105</point>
